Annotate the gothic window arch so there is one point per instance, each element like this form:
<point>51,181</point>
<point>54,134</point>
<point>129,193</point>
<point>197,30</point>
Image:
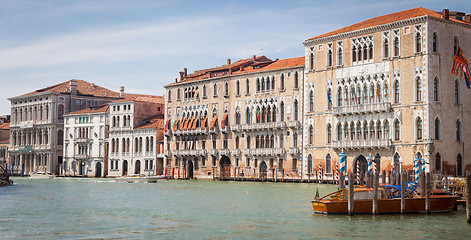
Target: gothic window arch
<point>311,100</point>
<point>354,54</point>
<point>328,163</point>
<point>397,91</point>
<point>226,89</point>
<point>435,42</point>
<point>296,80</point>
<point>436,89</point>
<point>418,42</point>
<point>339,132</point>
<point>386,48</point>
<point>329,133</point>
<point>329,98</point>
<point>296,110</point>
<point>311,134</point>
<point>339,97</point>
<point>365,52</point>
<point>273,83</point>
<point>247,86</point>
<point>459,136</point>
<point>60,111</point>
<point>437,129</point>
<point>282,82</point>
<point>282,111</point>
<point>370,51</point>
<point>311,60</point>
<point>419,128</point>
<point>386,129</point>
<point>438,162</point>
<point>238,88</point>
<point>457,92</point>
<point>263,84</point>
<point>268,84</point>
<point>215,89</point>
<point>418,89</point>
<point>396,47</point>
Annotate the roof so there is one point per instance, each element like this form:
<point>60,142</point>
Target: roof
<point>131,97</point>
<point>94,109</point>
<point>83,88</point>
<point>389,18</point>
<point>156,122</point>
<point>2,117</point>
<point>243,66</point>
<point>5,126</point>
<point>6,141</point>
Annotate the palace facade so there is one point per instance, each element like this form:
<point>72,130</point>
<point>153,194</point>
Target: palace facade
<point>382,90</point>
<point>236,121</point>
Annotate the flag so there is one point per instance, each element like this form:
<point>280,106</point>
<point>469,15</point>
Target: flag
<point>461,63</point>
<point>328,97</point>
<point>258,114</point>
<point>196,93</point>
<point>377,89</point>
<point>316,197</point>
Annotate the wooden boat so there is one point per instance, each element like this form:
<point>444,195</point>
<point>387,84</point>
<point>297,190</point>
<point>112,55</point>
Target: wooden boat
<point>5,181</point>
<point>388,202</point>
<point>41,175</point>
<point>139,178</point>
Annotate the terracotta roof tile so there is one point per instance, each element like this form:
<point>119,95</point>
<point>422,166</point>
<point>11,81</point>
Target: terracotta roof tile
<point>389,18</point>
<point>5,141</point>
<point>94,109</point>
<point>128,97</point>
<point>156,121</point>
<point>5,126</point>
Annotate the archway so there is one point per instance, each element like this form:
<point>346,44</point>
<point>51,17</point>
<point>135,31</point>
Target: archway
<point>363,165</point>
<point>125,168</point>
<point>137,168</point>
<point>189,170</point>
<point>81,169</point>
<point>225,165</point>
<point>98,170</point>
<point>263,170</point>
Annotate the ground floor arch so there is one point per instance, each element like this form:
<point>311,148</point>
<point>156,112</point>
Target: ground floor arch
<point>263,170</point>
<point>137,167</point>
<point>125,168</point>
<point>225,167</point>
<point>98,168</point>
<point>190,170</point>
<point>363,164</point>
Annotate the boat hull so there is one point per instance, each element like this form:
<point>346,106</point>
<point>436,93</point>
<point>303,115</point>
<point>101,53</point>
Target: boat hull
<point>412,205</point>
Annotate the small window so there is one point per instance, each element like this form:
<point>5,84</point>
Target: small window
<point>419,128</point>
<point>435,42</point>
<point>396,47</point>
<point>247,86</point>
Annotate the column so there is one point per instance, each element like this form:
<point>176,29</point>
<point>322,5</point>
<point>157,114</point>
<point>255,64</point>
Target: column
<point>35,167</point>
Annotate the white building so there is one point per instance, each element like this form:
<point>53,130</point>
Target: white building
<point>85,136</point>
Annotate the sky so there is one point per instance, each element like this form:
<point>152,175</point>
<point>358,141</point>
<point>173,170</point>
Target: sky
<point>143,44</point>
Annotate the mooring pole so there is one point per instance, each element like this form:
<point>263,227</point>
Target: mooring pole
<point>341,181</point>
<point>427,193</point>
<point>403,192</point>
<point>350,194</point>
<point>468,198</point>
<point>446,182</point>
<point>375,192</point>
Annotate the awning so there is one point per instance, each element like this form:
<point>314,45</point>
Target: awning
<point>175,124</point>
<point>204,122</point>
<point>188,123</point>
<point>213,121</point>
<point>196,93</point>
<point>166,125</point>
<point>223,122</point>
<point>182,124</point>
<point>194,124</point>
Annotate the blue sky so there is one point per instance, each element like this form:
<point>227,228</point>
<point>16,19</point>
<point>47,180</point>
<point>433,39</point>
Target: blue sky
<point>142,44</point>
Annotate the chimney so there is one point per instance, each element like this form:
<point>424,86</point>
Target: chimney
<point>254,56</point>
<point>467,18</point>
<point>73,87</point>
<point>446,14</point>
<point>228,61</point>
<point>121,91</point>
<point>460,15</point>
<point>185,72</point>
<point>181,75</point>
<point>242,68</point>
<point>176,80</point>
<point>276,59</point>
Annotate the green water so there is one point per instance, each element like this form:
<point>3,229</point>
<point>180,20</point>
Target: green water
<point>101,208</point>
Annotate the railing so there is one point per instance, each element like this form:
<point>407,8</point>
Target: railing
<point>262,151</point>
<point>246,152</point>
<point>188,152</point>
<point>82,140</point>
<point>225,129</point>
<point>236,152</point>
<point>81,156</point>
<point>214,130</point>
<point>167,153</point>
<point>213,152</point>
<point>202,152</point>
<point>120,128</point>
<point>225,151</point>
<point>168,132</point>
<point>365,143</point>
<point>293,150</point>
<point>363,108</point>
<point>294,124</point>
<point>236,127</point>
<point>261,126</point>
<point>279,151</point>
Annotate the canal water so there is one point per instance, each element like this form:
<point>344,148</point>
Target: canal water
<point>81,208</point>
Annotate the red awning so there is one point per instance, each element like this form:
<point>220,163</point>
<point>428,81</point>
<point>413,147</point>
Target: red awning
<point>166,125</point>
<point>175,124</point>
<point>193,127</point>
<point>213,121</point>
<point>223,122</point>
<point>204,122</point>
<point>182,124</point>
<point>188,124</point>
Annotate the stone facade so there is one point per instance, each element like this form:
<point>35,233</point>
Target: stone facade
<point>383,88</point>
<point>241,120</point>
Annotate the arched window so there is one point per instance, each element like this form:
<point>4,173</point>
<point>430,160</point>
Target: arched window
<point>365,52</point>
<point>354,54</point>
<point>339,97</point>
<point>237,116</point>
<point>397,162</point>
<point>397,92</point>
<point>296,80</point>
<point>359,53</point>
<point>215,89</point>
<point>263,84</point>
<point>226,89</point>
<point>282,142</point>
<point>268,84</point>
<point>438,162</point>
<point>282,111</point>
<point>258,85</point>
<point>436,89</point>
<point>328,163</point>
<point>418,88</point>
<point>248,142</point>
<point>282,82</point>
<point>311,100</point>
<point>60,137</point>
<point>247,86</point>
<point>437,129</point>
<point>455,44</point>
<point>459,165</point>
<point>339,132</point>
<point>418,42</point>
<point>329,98</point>
<point>273,83</point>
<point>435,42</point>
<point>379,131</point>
<point>370,51</point>
<point>60,111</point>
<point>238,88</point>
<point>386,48</point>
<point>386,129</point>
<point>396,47</point>
<point>309,164</point>
<point>311,134</point>
<point>329,133</point>
<point>204,91</point>
<point>418,124</point>
<point>340,57</point>
<point>295,139</point>
<point>296,110</point>
<point>457,92</point>
<point>311,61</point>
<point>329,58</point>
<point>458,130</point>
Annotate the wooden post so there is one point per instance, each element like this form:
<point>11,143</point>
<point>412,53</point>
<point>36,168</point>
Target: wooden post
<point>341,181</point>
<point>383,177</point>
<point>427,193</point>
<point>375,192</point>
<point>283,176</point>
<point>422,183</point>
<point>468,198</point>
<point>403,192</point>
<point>389,177</point>
<point>446,182</point>
<point>368,176</point>
<point>350,194</point>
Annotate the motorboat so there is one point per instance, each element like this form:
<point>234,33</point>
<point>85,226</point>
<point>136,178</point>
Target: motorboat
<point>389,201</point>
<point>139,178</point>
<point>41,175</point>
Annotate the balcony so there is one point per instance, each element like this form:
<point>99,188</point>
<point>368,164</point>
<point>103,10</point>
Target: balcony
<point>168,132</point>
<point>294,151</point>
<point>202,152</point>
<point>261,126</point>
<point>246,151</point>
<point>225,129</point>
<point>81,156</point>
<point>167,153</point>
<point>294,124</point>
<point>279,151</point>
<point>236,152</point>
<point>363,108</point>
<point>262,151</point>
<point>215,130</point>
<point>366,143</point>
<point>82,140</point>
<point>225,151</point>
<point>235,127</point>
<point>213,152</point>
<point>188,152</point>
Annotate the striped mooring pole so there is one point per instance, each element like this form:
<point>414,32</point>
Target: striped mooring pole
<point>358,173</point>
<point>336,173</point>
<point>319,174</point>
<point>342,162</point>
<point>370,164</point>
<point>416,169</point>
<point>423,165</point>
<point>374,167</point>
